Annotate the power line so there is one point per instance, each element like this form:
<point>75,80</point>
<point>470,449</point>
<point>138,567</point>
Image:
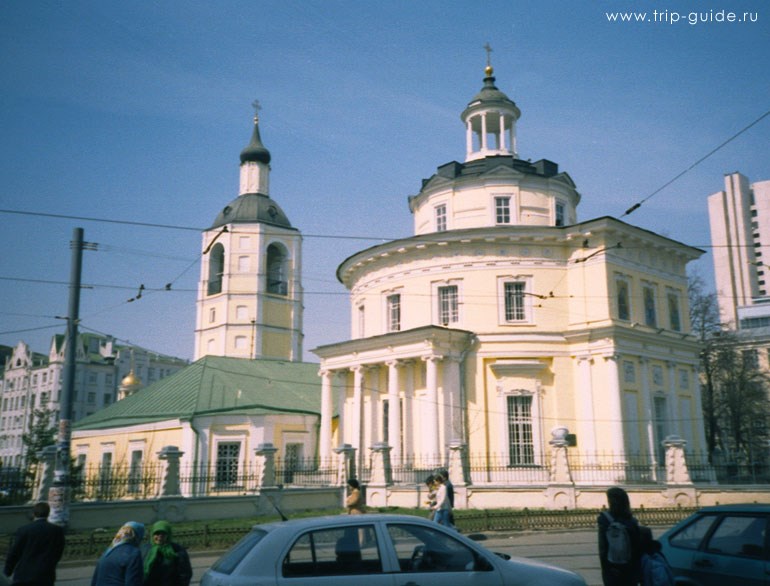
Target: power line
<point>637,205</point>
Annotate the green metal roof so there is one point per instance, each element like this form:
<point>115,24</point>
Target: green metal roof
<point>216,385</point>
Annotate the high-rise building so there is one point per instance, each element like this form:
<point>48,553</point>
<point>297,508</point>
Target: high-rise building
<point>739,219</point>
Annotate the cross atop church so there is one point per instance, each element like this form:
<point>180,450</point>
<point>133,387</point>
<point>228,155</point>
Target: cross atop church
<point>488,49</point>
<point>257,107</point>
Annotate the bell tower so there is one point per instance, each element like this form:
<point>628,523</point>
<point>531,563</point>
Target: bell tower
<point>250,292</point>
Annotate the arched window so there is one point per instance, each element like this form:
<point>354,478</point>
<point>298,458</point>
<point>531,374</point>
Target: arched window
<point>277,270</point>
<point>216,268</point>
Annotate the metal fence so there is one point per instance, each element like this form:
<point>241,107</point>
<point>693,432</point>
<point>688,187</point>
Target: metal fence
<point>119,482</point>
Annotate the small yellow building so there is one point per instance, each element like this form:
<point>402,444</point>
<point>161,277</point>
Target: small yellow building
<point>218,411</point>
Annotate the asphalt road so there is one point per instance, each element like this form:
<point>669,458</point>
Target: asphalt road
<point>575,550</point>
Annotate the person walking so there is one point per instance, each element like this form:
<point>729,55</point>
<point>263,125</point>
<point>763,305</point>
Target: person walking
<point>619,541</point>
<point>354,503</point>
<point>443,507</point>
<point>37,548</point>
<point>121,563</point>
<point>166,563</point>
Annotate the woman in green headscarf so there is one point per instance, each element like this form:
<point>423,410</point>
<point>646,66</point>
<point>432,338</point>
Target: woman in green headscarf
<point>166,563</point>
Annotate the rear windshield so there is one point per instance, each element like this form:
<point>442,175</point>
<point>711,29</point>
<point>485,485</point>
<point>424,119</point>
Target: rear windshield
<point>228,562</point>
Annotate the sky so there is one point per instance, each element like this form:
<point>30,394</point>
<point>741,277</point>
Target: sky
<point>135,113</point>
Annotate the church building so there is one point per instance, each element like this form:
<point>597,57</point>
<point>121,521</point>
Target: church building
<point>505,321</point>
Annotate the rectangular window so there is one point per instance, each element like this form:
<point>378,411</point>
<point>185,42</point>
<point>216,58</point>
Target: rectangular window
<point>212,315</point>
<point>503,210</point>
<point>135,472</point>
<point>441,218</point>
<point>228,455</point>
<point>648,299</point>
<point>675,320</point>
<point>241,342</point>
<point>624,305</point>
<point>241,313</point>
<point>559,214</point>
<point>244,241</point>
<point>515,309</point>
<point>447,305</point>
<point>394,313</point>
<point>521,448</point>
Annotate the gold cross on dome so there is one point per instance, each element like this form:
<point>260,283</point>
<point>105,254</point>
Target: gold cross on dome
<point>257,107</point>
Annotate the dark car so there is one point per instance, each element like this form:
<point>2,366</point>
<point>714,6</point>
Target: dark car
<point>722,545</point>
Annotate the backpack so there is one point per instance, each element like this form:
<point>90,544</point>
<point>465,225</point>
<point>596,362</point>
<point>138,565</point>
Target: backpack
<point>618,542</point>
<point>656,571</point>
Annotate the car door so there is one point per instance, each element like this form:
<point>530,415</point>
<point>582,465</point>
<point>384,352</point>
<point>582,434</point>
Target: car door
<point>735,552</point>
<point>334,556</point>
<point>432,557</point>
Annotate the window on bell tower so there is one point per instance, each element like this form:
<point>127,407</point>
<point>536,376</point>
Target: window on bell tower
<point>216,269</point>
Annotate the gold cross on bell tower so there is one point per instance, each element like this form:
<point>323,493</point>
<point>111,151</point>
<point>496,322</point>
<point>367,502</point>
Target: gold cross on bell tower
<point>257,107</point>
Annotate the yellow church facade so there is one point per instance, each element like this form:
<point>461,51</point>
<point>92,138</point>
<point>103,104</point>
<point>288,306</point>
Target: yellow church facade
<point>505,323</point>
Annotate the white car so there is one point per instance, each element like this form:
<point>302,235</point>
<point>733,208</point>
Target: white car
<point>375,550</point>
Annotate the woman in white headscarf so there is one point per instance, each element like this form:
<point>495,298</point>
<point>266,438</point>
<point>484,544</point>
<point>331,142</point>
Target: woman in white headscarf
<point>121,564</point>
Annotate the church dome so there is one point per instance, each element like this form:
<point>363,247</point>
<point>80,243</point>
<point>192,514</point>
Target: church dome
<point>490,96</point>
<point>130,380</point>
<point>252,208</point>
<point>255,151</point>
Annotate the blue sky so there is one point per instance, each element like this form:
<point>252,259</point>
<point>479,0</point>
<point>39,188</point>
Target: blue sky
<point>137,111</point>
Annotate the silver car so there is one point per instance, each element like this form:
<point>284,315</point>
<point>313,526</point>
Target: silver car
<point>375,550</point>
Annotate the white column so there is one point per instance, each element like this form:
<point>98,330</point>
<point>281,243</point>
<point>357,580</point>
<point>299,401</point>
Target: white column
<point>341,400</point>
<point>673,403</point>
<point>468,138</point>
<point>453,426</point>
<point>502,132</point>
<point>409,408</point>
<point>430,425</point>
<point>394,411</point>
<point>483,141</point>
<point>357,412</point>
<point>372,433</point>
<point>649,413</point>
<point>325,433</point>
<point>585,398</point>
<point>614,407</point>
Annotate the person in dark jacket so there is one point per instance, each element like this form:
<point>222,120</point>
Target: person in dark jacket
<point>614,574</point>
<point>121,563</point>
<point>37,548</point>
<point>165,563</point>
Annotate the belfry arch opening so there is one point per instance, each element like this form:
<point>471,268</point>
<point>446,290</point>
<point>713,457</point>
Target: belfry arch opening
<point>277,270</point>
<point>216,269</point>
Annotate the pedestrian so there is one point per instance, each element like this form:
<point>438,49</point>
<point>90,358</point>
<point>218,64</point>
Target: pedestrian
<point>166,563</point>
<point>36,549</point>
<point>430,483</point>
<point>354,503</point>
<point>654,566</point>
<point>450,492</point>
<point>121,563</point>
<point>619,541</point>
<point>442,508</point>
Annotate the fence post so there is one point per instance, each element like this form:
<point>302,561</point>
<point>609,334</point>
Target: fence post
<point>676,461</point>
<point>169,485</point>
<point>561,487</point>
<point>265,465</point>
<point>346,463</point>
<point>47,457</point>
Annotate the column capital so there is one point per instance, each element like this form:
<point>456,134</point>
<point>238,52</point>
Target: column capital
<point>611,357</point>
<point>432,358</point>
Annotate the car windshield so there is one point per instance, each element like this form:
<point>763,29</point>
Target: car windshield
<point>228,562</point>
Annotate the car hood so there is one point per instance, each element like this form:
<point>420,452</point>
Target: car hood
<point>536,573</point>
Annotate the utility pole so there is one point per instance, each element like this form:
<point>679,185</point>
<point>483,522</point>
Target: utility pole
<point>60,493</point>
